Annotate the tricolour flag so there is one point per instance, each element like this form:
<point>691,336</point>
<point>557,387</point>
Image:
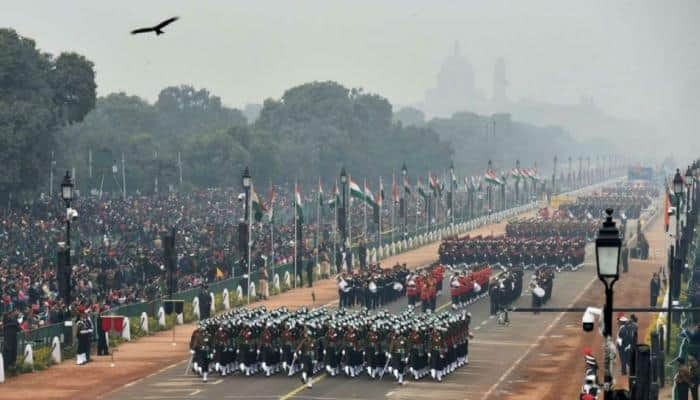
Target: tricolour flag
<point>515,173</point>
<point>335,196</point>
<point>434,184</point>
<point>421,189</point>
<point>492,178</point>
<point>258,206</point>
<point>298,204</point>
<point>356,191</point>
<point>369,197</point>
<point>406,185</point>
<point>395,191</point>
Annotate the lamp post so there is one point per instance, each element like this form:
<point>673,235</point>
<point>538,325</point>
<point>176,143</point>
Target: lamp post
<point>247,182</point>
<point>343,211</point>
<point>608,243</point>
<point>689,184</point>
<point>404,200</point>
<point>67,196</point>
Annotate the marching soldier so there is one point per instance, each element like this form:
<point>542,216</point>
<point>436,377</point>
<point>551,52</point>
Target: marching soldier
<point>84,326</point>
<point>200,347</point>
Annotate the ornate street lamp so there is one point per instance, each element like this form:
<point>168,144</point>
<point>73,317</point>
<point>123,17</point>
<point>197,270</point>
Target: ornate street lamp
<point>608,244</point>
<point>247,182</point>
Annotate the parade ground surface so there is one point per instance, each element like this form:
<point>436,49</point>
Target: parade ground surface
<point>536,357</point>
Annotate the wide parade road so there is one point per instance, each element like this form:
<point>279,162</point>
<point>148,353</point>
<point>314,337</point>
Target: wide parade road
<point>494,352</point>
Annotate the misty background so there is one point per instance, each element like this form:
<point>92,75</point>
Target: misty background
<point>624,71</point>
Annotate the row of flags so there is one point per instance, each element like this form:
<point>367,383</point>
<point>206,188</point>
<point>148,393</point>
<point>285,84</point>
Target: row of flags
<point>434,187</point>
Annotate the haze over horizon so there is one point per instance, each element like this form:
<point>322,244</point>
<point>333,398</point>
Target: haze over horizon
<point>636,60</point>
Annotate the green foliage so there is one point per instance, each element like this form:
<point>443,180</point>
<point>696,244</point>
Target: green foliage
<point>38,95</point>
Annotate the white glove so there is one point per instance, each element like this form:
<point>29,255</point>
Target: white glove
<point>191,351</point>
<point>324,352</point>
<point>343,352</point>
<point>258,351</point>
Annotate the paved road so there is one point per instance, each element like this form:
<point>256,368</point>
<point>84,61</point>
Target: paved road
<point>494,352</point>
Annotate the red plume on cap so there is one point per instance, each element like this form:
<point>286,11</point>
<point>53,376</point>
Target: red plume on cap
<point>620,315</point>
<point>81,309</point>
<point>587,351</point>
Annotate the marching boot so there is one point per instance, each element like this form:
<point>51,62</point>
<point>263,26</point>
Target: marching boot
<point>204,376</point>
<point>400,379</point>
<point>439,376</point>
<point>217,367</point>
<point>284,365</point>
<point>432,373</point>
<point>369,372</point>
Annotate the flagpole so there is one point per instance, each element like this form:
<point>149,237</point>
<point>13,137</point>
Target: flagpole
<point>294,201</point>
<point>393,205</point>
<point>318,219</point>
<point>365,208</point>
<point>272,228</point>
<point>381,200</point>
<point>250,235</point>
<point>335,227</point>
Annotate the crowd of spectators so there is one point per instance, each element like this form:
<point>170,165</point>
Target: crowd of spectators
<point>116,252</point>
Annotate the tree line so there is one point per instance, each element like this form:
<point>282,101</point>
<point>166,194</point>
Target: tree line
<point>48,104</point>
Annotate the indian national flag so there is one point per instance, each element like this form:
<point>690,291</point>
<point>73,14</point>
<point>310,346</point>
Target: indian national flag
<point>335,196</point>
<point>515,173</point>
<point>369,197</point>
<point>433,184</point>
<point>395,191</point>
<point>421,189</point>
<point>298,204</point>
<point>492,178</point>
<point>258,207</point>
<point>356,191</point>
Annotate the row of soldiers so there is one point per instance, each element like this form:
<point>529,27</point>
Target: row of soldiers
<point>517,252</point>
<point>371,288</point>
<point>540,228</point>
<point>305,342</point>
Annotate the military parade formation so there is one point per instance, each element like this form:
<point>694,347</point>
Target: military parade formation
<point>306,342</point>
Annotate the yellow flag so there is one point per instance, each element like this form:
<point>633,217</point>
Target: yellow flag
<point>219,273</point>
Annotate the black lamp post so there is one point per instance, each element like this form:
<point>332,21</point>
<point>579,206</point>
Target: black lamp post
<point>343,210</point>
<point>247,182</point>
<point>67,196</point>
<point>608,243</point>
<point>404,200</point>
<point>64,268</point>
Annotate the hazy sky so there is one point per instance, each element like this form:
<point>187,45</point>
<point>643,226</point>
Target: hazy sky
<point>635,58</point>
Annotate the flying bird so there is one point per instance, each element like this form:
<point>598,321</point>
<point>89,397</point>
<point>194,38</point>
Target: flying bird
<point>158,29</point>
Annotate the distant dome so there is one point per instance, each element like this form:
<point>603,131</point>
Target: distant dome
<point>455,89</point>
